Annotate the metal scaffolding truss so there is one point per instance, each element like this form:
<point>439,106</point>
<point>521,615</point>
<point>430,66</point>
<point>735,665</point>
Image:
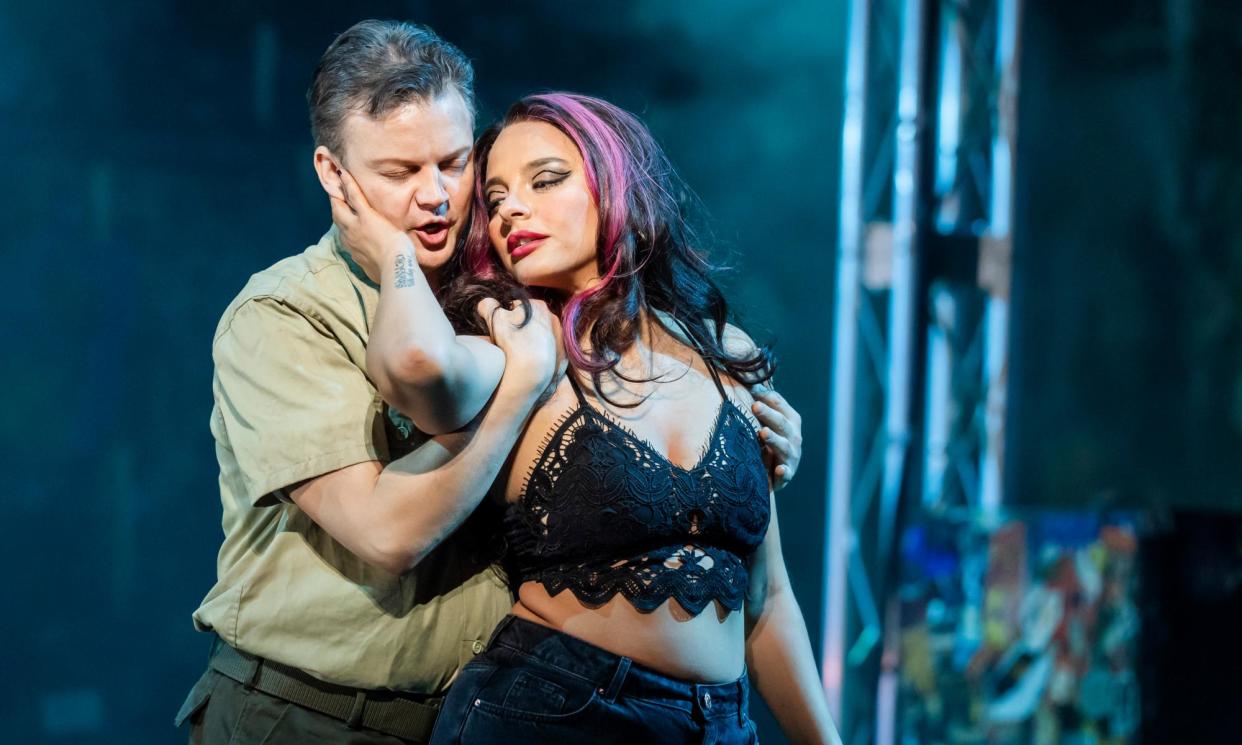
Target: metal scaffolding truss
<point>894,300</point>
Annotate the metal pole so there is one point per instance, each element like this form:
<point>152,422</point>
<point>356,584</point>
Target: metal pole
<point>838,536</point>
<point>907,183</point>
<point>997,278</point>
<point>904,297</point>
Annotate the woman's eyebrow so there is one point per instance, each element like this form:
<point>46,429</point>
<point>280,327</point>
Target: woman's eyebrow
<point>543,162</point>
<point>531,166</point>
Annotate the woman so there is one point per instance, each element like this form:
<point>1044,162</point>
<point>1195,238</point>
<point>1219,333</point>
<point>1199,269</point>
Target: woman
<point>641,527</point>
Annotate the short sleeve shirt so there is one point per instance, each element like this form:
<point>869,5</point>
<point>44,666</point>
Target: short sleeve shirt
<point>291,402</point>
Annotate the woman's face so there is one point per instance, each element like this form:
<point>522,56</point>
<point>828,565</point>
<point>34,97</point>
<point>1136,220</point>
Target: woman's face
<point>543,222</point>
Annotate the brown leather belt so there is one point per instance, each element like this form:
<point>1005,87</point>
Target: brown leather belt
<point>390,712</point>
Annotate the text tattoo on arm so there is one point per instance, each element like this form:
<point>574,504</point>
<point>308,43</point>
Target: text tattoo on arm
<point>404,271</point>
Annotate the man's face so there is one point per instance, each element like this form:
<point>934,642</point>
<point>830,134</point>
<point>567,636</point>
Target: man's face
<point>414,167</point>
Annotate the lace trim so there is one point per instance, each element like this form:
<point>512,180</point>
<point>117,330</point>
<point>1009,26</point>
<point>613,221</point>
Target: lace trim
<point>646,444</point>
<point>561,422</point>
<point>692,575</point>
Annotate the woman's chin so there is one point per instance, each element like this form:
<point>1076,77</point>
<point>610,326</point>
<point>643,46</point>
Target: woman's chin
<point>533,279</point>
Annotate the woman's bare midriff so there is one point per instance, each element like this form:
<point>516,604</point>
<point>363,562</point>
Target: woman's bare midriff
<point>707,648</point>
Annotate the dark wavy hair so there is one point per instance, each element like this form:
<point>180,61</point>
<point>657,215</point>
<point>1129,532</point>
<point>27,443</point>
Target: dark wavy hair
<point>646,252</point>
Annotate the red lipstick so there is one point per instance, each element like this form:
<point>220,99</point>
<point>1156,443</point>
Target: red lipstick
<point>523,242</point>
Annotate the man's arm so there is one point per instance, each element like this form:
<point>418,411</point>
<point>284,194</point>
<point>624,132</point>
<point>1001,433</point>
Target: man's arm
<point>393,516</point>
<point>415,358</point>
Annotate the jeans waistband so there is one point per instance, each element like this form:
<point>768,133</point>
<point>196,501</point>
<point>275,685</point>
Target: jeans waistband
<point>615,675</point>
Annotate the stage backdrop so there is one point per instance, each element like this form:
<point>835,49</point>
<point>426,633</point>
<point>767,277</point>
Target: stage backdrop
<point>159,154</point>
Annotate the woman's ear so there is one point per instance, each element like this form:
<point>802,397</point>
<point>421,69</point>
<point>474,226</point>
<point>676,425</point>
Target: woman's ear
<point>328,168</point>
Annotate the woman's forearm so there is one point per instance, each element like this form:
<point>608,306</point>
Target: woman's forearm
<point>782,668</point>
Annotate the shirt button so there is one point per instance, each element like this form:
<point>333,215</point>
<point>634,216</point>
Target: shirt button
<point>477,646</point>
<point>707,700</point>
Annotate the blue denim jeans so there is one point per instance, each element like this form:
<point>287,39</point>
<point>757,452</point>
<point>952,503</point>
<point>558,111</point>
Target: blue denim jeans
<point>534,684</point>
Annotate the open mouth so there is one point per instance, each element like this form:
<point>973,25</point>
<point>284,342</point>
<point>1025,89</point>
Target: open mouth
<point>432,236</point>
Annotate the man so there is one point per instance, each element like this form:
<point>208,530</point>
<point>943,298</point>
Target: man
<point>352,585</point>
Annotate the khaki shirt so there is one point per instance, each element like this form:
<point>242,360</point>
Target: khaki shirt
<point>292,402</point>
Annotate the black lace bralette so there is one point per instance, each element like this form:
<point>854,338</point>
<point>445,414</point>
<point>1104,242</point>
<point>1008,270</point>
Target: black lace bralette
<point>603,512</point>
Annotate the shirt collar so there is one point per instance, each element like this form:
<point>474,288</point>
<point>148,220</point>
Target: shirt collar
<point>354,269</point>
<point>366,290</point>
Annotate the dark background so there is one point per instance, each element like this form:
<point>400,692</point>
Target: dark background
<point>158,154</point>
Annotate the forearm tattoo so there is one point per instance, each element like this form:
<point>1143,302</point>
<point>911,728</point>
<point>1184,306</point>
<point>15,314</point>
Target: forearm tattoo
<point>404,270</point>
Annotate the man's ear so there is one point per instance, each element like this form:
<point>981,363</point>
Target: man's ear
<point>328,168</point>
